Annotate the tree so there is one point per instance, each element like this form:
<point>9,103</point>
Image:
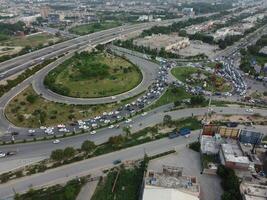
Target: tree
<point>69,193</point>
<point>31,98</point>
<point>116,141</point>
<point>127,130</point>
<point>57,154</point>
<point>197,100</point>
<point>69,152</point>
<point>88,146</point>
<point>167,119</point>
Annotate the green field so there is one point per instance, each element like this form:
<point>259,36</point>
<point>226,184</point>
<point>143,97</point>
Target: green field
<point>185,74</point>
<point>127,186</point>
<point>93,75</point>
<point>94,27</point>
<point>33,41</point>
<point>25,112</point>
<point>171,95</point>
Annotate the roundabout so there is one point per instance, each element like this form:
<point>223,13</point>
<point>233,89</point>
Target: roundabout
<point>147,68</point>
<point>93,75</point>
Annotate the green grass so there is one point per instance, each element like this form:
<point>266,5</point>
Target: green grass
<point>21,112</point>
<point>32,41</point>
<point>57,192</point>
<point>94,27</point>
<point>185,73</point>
<point>119,76</point>
<point>171,95</point>
<point>127,186</point>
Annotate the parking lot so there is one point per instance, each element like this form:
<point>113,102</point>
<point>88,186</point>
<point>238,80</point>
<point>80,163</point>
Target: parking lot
<point>190,161</point>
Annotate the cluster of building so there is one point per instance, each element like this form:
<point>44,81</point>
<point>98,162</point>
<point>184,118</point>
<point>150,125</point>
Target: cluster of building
<point>238,149</point>
<point>171,43</point>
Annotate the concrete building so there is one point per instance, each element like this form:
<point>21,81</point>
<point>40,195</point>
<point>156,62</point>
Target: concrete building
<point>250,191</point>
<point>54,18</point>
<point>264,50</point>
<point>168,42</point>
<point>250,137</point>
<point>44,11</point>
<point>231,155</point>
<point>188,11</point>
<point>223,32</point>
<point>170,184</point>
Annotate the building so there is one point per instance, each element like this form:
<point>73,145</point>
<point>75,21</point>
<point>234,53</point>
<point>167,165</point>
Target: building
<point>188,11</point>
<point>232,156</point>
<point>44,11</point>
<point>251,137</point>
<point>170,184</point>
<point>171,43</point>
<point>53,18</point>
<point>263,50</point>
<point>250,191</point>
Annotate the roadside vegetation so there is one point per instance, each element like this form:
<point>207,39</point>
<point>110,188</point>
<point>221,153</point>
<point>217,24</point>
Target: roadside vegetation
<point>30,110</point>
<point>198,77</point>
<point>94,27</point>
<point>24,75</point>
<point>57,192</point>
<point>171,95</point>
<point>126,182</point>
<point>12,44</point>
<point>88,149</point>
<point>93,75</point>
<point>252,56</point>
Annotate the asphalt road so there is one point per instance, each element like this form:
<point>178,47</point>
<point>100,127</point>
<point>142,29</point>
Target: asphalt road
<point>15,65</point>
<point>148,69</point>
<point>32,152</point>
<point>71,171</point>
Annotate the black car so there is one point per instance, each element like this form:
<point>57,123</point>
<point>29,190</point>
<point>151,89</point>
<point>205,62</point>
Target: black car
<point>14,133</point>
<point>11,153</point>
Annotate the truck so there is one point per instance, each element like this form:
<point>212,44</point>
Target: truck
<point>184,132</point>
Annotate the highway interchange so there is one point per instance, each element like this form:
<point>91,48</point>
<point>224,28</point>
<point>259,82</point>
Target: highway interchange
<point>32,152</point>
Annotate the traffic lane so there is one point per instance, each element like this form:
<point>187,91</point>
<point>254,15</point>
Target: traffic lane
<point>125,29</point>
<point>68,172</point>
<point>152,118</point>
<point>149,71</point>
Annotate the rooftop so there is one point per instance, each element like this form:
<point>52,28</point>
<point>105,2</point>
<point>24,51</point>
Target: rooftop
<point>253,191</point>
<point>233,153</point>
<point>171,177</point>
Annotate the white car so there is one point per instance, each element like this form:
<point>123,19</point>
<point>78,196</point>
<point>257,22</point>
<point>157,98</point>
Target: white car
<point>144,114</point>
<point>31,131</point>
<point>93,132</point>
<point>128,120</point>
<point>2,154</point>
<point>42,127</point>
<point>56,141</point>
<point>250,110</point>
<point>61,126</point>
<point>111,126</point>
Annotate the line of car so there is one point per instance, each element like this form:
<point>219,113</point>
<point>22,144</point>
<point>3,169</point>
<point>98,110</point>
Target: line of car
<point>108,118</point>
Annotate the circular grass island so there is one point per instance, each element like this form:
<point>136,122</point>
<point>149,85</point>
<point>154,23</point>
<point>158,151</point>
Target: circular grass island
<point>198,77</point>
<point>93,75</point>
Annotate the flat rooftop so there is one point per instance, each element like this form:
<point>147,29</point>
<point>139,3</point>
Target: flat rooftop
<point>253,191</point>
<point>233,153</point>
<point>171,177</point>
